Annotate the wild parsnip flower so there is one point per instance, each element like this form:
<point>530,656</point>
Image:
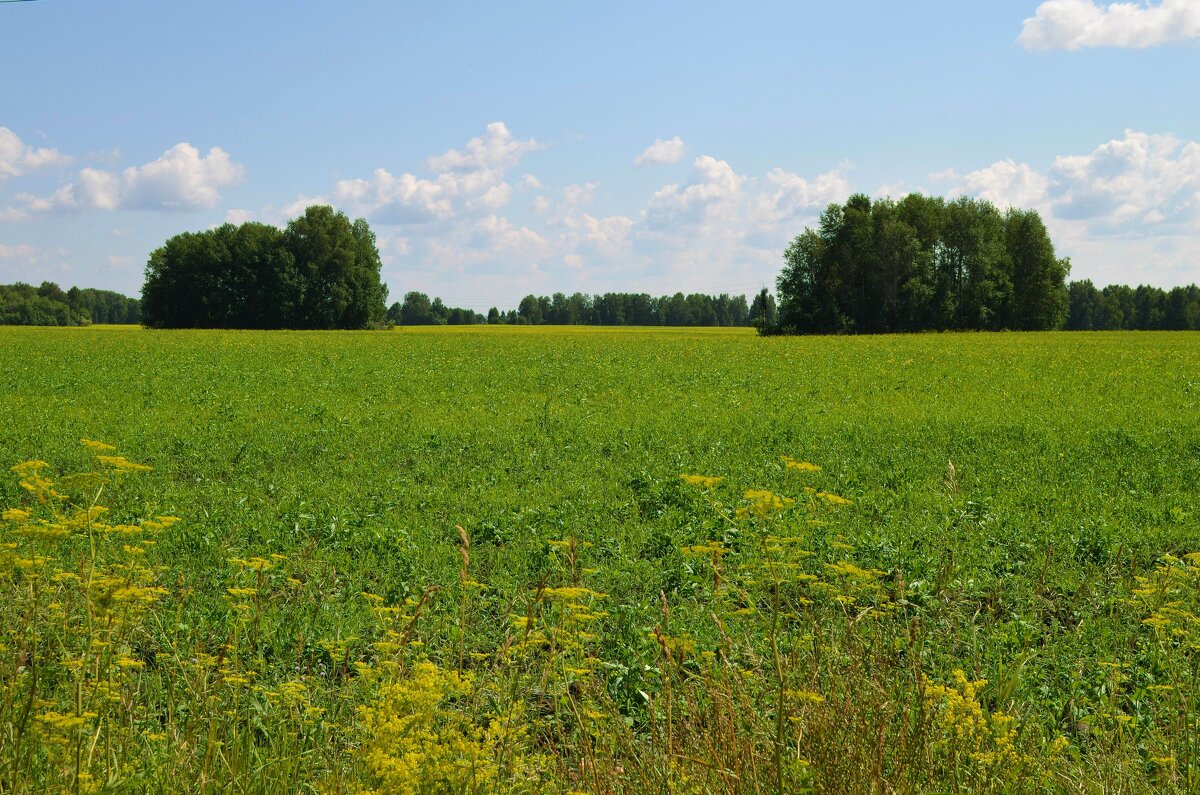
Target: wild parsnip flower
<point>99,447</point>
<point>833,499</point>
<point>762,504</point>
<point>799,466</point>
<point>122,464</point>
<point>571,593</point>
<point>805,696</point>
<point>701,481</point>
<point>17,515</point>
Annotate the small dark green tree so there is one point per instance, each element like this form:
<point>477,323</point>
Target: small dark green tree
<point>763,312</point>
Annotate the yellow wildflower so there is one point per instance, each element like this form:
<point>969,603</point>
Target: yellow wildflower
<point>121,463</point>
<point>799,466</point>
<point>700,481</point>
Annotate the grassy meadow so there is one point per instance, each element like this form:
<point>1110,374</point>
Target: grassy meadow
<point>467,560</point>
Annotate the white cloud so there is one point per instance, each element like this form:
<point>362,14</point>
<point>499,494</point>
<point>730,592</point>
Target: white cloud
<point>470,181</point>
<point>1131,181</point>
<point>120,262</point>
<point>609,235</point>
<point>238,217</point>
<point>1005,184</point>
<point>580,195</point>
<point>181,179</point>
<point>499,235</point>
<point>22,251</point>
<point>18,158</point>
<point>1126,212</point>
<point>1072,24</point>
<point>713,186</point>
<point>28,263</point>
<point>126,231</point>
<point>661,152</point>
<point>1131,184</point>
<point>790,195</point>
<point>495,150</point>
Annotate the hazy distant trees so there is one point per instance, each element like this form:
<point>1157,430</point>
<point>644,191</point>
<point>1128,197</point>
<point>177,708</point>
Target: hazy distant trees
<point>626,309</point>
<point>921,263</point>
<point>48,305</point>
<point>321,272</point>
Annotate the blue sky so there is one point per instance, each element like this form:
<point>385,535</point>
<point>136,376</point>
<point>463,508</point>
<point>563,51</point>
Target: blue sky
<point>500,149</point>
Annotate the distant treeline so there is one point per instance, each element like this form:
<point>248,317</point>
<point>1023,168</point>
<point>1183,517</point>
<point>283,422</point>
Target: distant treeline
<point>610,309</point>
<point>49,305</point>
<point>922,263</point>
<point>1143,308</point>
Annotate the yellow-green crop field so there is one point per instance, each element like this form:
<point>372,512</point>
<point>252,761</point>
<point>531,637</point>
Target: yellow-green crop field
<point>510,560</point>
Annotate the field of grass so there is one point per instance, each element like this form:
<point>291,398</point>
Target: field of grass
<point>983,582</point>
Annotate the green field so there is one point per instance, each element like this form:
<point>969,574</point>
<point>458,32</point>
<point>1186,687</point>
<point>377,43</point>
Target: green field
<point>1007,491</point>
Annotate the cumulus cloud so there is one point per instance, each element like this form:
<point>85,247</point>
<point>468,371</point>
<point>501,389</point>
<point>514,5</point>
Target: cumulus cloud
<point>495,150</point>
<point>27,263</point>
<point>181,179</point>
<point>1005,184</point>
<point>1128,211</point>
<point>22,251</point>
<point>470,180</point>
<point>1138,179</point>
<point>789,195</point>
<point>1072,24</point>
<point>661,153</point>
<point>18,158</point>
<point>712,186</point>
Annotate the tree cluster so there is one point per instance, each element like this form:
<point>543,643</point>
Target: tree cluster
<point>49,305</point>
<point>321,272</point>
<point>1143,308</point>
<point>418,310</point>
<point>628,309</point>
<point>922,263</point>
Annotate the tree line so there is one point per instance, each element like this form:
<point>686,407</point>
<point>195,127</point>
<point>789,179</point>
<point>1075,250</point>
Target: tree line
<point>609,309</point>
<point>49,305</point>
<point>320,272</point>
<point>922,263</point>
<point>1119,307</point>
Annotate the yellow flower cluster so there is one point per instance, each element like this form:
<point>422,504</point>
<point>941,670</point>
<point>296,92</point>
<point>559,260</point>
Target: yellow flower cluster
<point>762,504</point>
<point>701,481</point>
<point>417,737</point>
<point>799,466</point>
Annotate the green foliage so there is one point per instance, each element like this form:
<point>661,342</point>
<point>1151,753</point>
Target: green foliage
<point>1007,605</point>
<point>418,310</point>
<point>627,309</point>
<point>921,263</point>
<point>24,305</point>
<point>321,272</point>
<point>1143,308</point>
